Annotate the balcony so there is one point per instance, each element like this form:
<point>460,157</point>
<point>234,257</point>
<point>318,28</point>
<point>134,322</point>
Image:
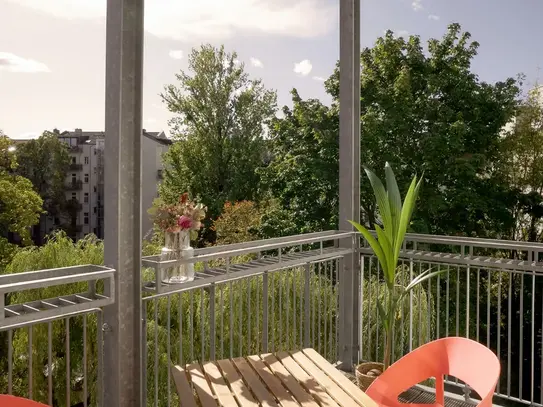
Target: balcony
<point>74,185</point>
<point>75,149</point>
<point>281,294</point>
<point>76,167</point>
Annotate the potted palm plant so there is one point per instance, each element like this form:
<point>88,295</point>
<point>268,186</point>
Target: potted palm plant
<point>395,218</point>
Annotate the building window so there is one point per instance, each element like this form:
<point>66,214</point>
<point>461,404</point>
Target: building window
<point>94,210</point>
<point>94,188</point>
<point>74,178</point>
<point>94,230</point>
<point>74,196</point>
<point>86,179</point>
<point>94,152</point>
<point>86,197</point>
<point>86,160</point>
<point>86,218</point>
<point>94,170</point>
<point>73,160</point>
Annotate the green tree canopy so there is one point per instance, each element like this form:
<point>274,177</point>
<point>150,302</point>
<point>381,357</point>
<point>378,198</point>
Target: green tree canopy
<point>220,120</point>
<point>20,205</point>
<point>426,110</point>
<point>521,165</point>
<point>421,110</point>
<point>303,173</point>
<point>45,162</point>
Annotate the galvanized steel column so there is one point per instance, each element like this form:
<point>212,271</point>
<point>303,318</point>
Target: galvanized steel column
<point>349,175</point>
<point>122,381</point>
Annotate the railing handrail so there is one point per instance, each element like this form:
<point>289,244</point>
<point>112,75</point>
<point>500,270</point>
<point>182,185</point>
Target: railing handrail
<point>238,249</point>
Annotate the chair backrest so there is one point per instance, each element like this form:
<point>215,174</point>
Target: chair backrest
<point>462,358</point>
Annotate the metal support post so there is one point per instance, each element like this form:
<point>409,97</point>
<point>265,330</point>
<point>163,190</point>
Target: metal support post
<point>349,177</point>
<point>122,334</point>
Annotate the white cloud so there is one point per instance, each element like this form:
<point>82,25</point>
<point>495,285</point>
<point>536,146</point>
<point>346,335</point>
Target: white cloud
<point>319,78</point>
<point>176,54</point>
<point>402,33</point>
<point>417,5</point>
<point>433,17</point>
<point>256,62</point>
<point>303,67</point>
<point>210,19</point>
<point>14,63</point>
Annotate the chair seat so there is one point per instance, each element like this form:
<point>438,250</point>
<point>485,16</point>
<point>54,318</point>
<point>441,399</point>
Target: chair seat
<point>12,401</point>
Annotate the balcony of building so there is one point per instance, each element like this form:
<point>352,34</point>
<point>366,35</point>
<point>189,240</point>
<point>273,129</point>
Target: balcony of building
<point>76,185</point>
<point>282,294</point>
<point>76,167</point>
<point>108,335</point>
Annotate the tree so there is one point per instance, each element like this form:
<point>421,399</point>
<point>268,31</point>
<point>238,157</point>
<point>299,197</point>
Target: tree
<point>45,162</point>
<point>20,205</point>
<point>421,110</point>
<point>521,165</point>
<point>220,120</point>
<point>303,172</point>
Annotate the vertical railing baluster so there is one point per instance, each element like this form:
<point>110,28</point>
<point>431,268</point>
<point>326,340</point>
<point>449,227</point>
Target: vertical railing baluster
<point>265,300</point>
<point>532,353</point>
<point>478,307</point>
<point>85,368</point>
<point>10,361</point>
<point>145,355</point>
<point>50,362</point>
<point>30,359</point>
<point>68,369</point>
<point>212,322</point>
<point>240,319</point>
<point>202,326</point>
<point>509,316</point>
<point>191,324</point>
<point>180,311</point>
<point>168,348</point>
<point>249,316</point>
<point>221,308</point>
<point>521,335</point>
<point>155,304</point>
<point>499,321</point>
<point>287,310</point>
<point>307,302</point>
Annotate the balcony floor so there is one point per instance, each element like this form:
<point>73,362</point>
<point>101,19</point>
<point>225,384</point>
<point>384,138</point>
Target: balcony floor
<point>425,395</point>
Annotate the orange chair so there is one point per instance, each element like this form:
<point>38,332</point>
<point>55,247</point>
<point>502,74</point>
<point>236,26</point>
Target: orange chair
<point>467,360</point>
<point>12,401</point>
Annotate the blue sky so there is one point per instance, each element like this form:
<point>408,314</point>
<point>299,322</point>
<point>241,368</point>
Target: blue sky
<point>52,53</point>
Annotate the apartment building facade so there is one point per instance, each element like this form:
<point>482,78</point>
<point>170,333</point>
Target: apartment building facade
<point>85,180</point>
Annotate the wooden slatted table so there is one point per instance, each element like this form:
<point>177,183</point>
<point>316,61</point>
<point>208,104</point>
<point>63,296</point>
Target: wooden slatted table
<point>301,378</point>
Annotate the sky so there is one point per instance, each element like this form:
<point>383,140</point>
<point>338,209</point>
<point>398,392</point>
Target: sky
<point>52,52</point>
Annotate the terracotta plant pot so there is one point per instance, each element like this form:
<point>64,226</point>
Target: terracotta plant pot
<point>367,372</point>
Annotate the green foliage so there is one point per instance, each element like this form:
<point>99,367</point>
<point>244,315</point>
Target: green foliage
<point>59,251</point>
<point>303,173</point>
<point>521,166</point>
<point>45,162</point>
<point>421,109</point>
<point>239,222</point>
<point>423,315</point>
<point>20,205</point>
<point>220,115</point>
<point>237,323</point>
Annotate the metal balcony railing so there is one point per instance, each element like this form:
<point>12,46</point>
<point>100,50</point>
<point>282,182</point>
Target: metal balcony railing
<point>271,295</point>
<point>76,167</point>
<point>74,185</point>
